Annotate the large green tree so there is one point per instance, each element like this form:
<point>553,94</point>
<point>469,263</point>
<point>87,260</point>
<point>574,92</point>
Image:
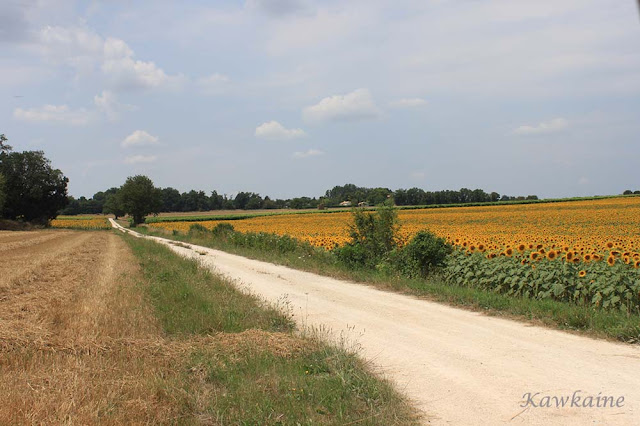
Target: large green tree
<point>139,198</point>
<point>113,204</point>
<point>3,194</point>
<point>4,148</point>
<point>33,190</point>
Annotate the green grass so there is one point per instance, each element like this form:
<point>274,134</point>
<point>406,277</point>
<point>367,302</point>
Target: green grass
<point>237,377</point>
<point>608,324</point>
<point>189,299</point>
<point>158,219</point>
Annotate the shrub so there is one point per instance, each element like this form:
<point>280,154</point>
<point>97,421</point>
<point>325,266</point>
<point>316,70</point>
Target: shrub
<point>223,230</point>
<point>373,237</point>
<point>423,254</point>
<point>197,230</point>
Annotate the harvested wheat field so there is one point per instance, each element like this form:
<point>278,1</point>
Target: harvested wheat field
<point>72,348</point>
<point>81,343</point>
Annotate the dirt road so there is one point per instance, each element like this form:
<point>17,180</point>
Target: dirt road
<point>460,367</point>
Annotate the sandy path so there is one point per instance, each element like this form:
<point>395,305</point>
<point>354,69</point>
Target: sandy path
<point>460,367</point>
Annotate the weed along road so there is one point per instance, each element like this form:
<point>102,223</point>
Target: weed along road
<point>459,367</point>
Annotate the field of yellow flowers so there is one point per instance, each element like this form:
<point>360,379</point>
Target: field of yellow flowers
<point>89,223</point>
<point>577,231</point>
<point>584,252</point>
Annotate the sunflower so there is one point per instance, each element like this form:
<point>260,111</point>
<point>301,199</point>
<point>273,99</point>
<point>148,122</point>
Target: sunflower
<point>481,247</point>
<point>587,257</point>
<point>521,247</point>
<point>576,260</point>
<point>582,273</point>
<point>636,264</point>
<point>569,256</point>
<point>534,255</point>
<point>611,260</point>
<point>609,244</point>
<point>509,252</point>
<point>552,254</point>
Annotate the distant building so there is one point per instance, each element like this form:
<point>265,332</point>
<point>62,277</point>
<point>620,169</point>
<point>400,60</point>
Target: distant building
<point>363,204</point>
<point>345,204</point>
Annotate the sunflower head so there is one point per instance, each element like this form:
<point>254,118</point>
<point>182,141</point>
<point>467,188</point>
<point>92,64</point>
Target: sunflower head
<point>509,252</point>
<point>611,260</point>
<point>552,254</point>
<point>582,273</point>
<point>521,247</point>
<point>569,256</point>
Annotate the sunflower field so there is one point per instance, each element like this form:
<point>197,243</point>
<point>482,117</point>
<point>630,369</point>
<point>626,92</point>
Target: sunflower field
<point>89,223</point>
<point>578,251</point>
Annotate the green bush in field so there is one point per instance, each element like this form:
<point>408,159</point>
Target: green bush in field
<point>373,237</point>
<point>198,230</point>
<point>423,254</point>
<point>223,230</point>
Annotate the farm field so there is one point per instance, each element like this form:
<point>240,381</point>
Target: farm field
<point>582,252</point>
<point>91,331</point>
<point>81,222</point>
<point>586,228</point>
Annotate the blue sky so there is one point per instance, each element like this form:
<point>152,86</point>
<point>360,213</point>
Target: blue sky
<point>291,97</point>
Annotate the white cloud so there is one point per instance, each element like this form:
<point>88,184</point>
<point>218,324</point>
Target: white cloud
<point>357,105</point>
<point>309,153</point>
<point>552,126</point>
<point>140,159</point>
<point>54,114</point>
<point>107,102</point>
<point>275,130</point>
<point>84,50</point>
<point>407,103</point>
<point>213,84</point>
<point>78,47</point>
<point>127,73</point>
<point>139,138</point>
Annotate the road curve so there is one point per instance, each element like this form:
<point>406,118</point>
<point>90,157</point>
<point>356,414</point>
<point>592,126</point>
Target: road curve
<point>459,367</point>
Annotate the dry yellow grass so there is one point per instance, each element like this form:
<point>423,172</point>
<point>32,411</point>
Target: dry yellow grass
<point>80,344</point>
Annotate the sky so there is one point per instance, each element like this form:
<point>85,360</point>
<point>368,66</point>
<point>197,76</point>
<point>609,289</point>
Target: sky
<point>289,98</point>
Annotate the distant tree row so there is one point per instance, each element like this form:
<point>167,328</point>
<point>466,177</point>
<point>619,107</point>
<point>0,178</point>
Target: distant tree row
<point>629,192</point>
<point>172,200</point>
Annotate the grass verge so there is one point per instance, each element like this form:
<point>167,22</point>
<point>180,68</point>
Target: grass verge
<point>607,324</point>
<point>244,363</point>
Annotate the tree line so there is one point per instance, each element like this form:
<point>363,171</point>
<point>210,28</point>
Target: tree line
<point>172,200</point>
